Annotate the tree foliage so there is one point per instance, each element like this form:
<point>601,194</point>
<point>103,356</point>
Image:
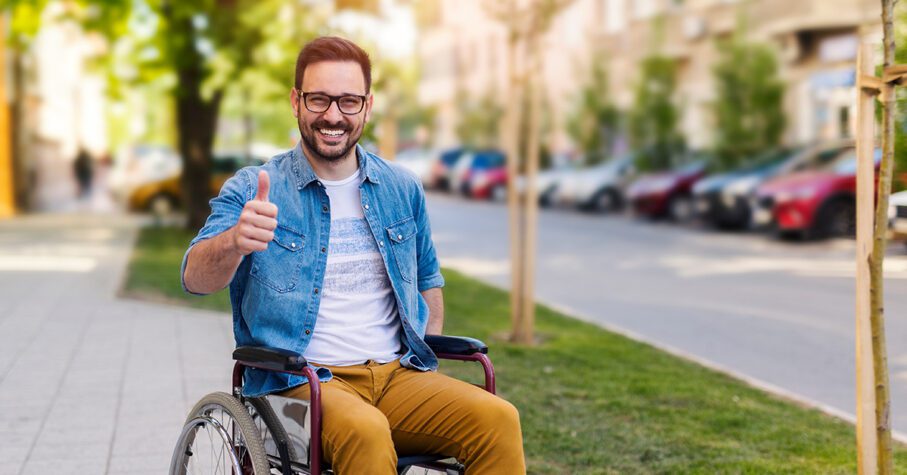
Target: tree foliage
<point>479,120</point>
<point>654,118</point>
<point>593,120</point>
<point>748,110</point>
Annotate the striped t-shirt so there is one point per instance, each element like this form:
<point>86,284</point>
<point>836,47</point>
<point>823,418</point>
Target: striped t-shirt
<point>357,318</point>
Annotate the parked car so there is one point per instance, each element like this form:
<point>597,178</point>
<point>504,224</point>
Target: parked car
<point>419,162</point>
<point>163,195</point>
<point>442,168</point>
<point>667,193</point>
<point>597,188</point>
<point>817,203</point>
<point>812,157</point>
<point>723,200</point>
<point>897,216</point>
<point>488,176</point>
<point>469,165</point>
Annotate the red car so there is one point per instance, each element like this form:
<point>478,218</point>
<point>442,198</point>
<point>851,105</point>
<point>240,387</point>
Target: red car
<point>490,184</point>
<point>818,203</point>
<point>666,193</point>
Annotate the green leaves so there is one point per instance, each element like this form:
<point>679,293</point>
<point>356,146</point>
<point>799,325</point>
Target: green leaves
<point>749,115</point>
<point>654,118</point>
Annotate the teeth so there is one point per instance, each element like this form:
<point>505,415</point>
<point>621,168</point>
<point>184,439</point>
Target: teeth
<point>333,133</point>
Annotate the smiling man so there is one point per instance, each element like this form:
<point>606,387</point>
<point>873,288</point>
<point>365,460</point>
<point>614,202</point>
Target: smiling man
<point>327,251</point>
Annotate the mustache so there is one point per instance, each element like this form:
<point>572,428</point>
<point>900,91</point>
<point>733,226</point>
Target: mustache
<point>323,124</point>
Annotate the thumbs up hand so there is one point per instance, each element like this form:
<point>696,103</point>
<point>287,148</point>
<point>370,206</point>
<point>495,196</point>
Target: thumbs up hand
<point>258,220</point>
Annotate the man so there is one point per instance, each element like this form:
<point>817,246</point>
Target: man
<point>327,251</point>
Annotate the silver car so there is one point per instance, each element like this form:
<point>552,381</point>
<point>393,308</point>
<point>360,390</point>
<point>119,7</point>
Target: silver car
<point>597,188</point>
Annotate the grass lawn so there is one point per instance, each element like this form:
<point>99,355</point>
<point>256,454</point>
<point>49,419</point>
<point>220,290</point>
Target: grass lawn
<point>591,401</point>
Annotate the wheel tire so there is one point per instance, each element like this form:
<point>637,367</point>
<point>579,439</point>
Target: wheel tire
<point>680,208</point>
<point>605,200</point>
<point>837,218</point>
<point>498,193</point>
<point>235,421</point>
<point>267,420</point>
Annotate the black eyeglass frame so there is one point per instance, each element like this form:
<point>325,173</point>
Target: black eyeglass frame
<point>301,97</point>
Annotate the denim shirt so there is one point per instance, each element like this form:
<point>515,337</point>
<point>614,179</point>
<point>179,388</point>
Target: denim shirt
<point>275,293</point>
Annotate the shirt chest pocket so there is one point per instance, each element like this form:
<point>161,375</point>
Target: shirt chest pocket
<point>402,236</point>
<point>280,265</point>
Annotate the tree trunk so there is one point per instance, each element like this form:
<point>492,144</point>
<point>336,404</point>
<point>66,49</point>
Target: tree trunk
<point>196,123</point>
<point>877,295</point>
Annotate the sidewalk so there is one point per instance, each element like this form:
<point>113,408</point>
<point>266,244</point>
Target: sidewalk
<point>91,384</point>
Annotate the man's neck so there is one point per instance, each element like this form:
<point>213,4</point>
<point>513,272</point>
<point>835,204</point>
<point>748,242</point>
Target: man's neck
<point>332,169</point>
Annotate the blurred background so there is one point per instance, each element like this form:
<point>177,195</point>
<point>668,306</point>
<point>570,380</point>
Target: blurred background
<point>697,163</point>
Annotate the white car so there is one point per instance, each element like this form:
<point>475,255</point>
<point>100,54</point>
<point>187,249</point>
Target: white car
<point>897,216</point>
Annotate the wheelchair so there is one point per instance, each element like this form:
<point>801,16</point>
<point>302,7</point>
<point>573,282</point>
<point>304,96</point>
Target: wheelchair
<point>232,434</point>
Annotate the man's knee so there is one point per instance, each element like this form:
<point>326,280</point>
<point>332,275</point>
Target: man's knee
<point>360,428</point>
<point>498,416</point>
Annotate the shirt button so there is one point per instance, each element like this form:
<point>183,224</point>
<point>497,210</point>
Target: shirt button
<point>324,249</point>
<point>316,290</point>
<point>292,244</point>
<point>399,237</point>
<point>324,208</point>
<point>381,243</point>
<point>308,332</point>
<point>366,206</point>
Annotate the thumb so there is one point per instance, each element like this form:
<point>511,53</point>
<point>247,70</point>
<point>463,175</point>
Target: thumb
<point>264,186</point>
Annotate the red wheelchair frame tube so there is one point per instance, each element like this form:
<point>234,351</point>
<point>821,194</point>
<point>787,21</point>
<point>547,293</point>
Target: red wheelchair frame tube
<point>483,359</point>
<point>315,407</point>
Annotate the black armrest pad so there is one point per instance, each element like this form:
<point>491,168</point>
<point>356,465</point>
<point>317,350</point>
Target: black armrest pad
<point>457,345</point>
<point>267,357</point>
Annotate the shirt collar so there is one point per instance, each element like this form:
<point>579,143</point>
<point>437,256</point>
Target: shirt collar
<point>304,173</point>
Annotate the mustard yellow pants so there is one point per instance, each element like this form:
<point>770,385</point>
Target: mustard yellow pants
<point>371,409</point>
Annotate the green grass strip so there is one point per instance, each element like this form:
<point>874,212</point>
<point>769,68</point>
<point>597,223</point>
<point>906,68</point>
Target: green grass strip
<point>593,402</point>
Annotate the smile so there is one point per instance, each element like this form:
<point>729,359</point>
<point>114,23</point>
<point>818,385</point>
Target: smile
<point>332,133</point>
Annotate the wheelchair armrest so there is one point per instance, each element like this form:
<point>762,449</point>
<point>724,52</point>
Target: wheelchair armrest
<point>455,345</point>
<point>266,357</point>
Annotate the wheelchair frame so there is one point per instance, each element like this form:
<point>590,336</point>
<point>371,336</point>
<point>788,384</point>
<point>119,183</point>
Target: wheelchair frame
<point>284,361</point>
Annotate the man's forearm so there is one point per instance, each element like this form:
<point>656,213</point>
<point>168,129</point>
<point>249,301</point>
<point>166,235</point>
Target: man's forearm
<point>435,300</point>
<point>211,264</point>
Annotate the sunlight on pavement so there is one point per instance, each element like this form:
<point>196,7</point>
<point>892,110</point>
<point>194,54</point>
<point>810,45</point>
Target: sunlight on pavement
<point>20,263</point>
<point>696,266</point>
<point>478,267</point>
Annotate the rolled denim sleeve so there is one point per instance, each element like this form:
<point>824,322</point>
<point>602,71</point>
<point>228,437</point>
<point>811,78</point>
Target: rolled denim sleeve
<point>429,269</point>
<point>225,210</point>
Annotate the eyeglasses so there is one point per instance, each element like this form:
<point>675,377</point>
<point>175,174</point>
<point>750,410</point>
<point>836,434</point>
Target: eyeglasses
<point>317,102</point>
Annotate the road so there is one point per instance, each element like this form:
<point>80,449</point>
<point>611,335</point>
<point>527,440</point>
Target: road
<point>777,314</point>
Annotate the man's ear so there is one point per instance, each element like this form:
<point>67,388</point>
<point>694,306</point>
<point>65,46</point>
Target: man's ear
<point>368,107</point>
<point>294,101</point>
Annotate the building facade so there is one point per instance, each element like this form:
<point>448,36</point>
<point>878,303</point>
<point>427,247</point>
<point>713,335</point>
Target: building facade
<point>463,49</point>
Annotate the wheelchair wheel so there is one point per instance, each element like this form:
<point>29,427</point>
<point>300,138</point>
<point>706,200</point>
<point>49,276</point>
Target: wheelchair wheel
<point>219,437</point>
<point>270,428</point>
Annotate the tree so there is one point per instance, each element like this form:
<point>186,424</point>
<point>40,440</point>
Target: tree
<point>525,22</point>
<point>749,115</point>
<point>593,120</point>
<point>479,119</point>
<point>653,120</point>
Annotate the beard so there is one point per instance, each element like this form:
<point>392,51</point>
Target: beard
<point>329,152</point>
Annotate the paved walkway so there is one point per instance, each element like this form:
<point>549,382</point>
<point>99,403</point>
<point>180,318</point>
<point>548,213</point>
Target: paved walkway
<point>89,383</point>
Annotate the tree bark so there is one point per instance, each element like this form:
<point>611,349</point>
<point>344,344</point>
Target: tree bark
<point>196,124</point>
<point>877,295</point>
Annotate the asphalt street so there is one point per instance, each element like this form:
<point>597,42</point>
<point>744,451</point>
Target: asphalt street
<point>778,314</point>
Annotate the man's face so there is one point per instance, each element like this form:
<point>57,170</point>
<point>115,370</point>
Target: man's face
<point>330,135</point>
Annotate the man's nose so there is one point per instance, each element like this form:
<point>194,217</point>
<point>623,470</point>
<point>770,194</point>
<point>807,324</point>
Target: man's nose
<point>333,113</point>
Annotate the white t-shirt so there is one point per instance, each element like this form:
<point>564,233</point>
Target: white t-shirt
<point>357,319</point>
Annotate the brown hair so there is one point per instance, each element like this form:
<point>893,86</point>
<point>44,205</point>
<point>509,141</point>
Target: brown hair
<point>333,48</point>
